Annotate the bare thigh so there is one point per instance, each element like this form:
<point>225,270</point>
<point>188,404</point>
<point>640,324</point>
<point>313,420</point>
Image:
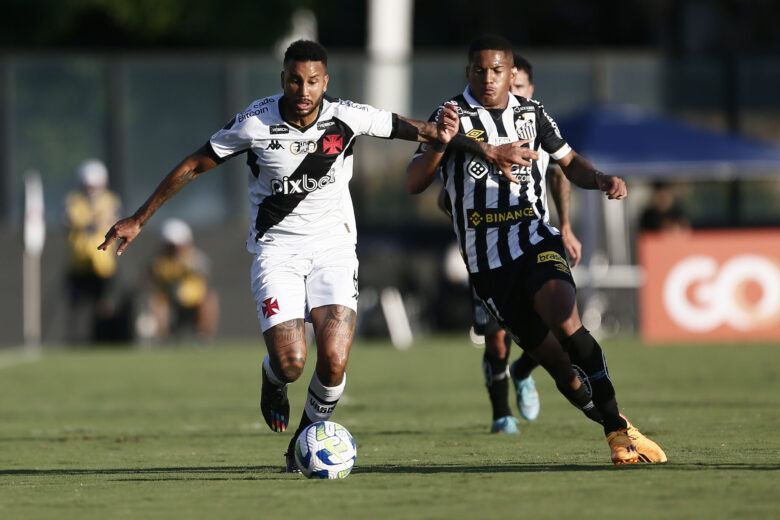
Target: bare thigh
<point>334,327</point>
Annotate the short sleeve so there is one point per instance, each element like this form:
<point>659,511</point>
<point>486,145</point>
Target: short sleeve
<point>551,139</point>
<point>233,139</point>
<point>365,119</point>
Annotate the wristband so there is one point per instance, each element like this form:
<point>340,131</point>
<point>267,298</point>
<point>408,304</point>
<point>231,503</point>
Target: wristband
<point>437,146</point>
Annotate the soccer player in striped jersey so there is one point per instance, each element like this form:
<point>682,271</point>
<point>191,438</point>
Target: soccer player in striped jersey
<point>298,147</point>
<point>515,258</point>
<point>497,341</point>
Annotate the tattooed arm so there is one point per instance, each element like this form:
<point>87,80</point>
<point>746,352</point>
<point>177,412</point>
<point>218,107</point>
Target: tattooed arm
<point>126,229</point>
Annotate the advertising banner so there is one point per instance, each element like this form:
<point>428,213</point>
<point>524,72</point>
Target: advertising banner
<point>710,286</point>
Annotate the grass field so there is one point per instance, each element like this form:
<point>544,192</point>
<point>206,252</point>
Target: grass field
<point>176,433</point>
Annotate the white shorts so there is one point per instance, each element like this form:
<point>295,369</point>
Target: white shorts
<point>287,286</point>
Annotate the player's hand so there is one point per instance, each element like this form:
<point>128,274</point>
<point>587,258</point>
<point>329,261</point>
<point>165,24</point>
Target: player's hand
<point>507,155</point>
<point>572,245</point>
<point>447,123</point>
<point>614,187</point>
<point>125,231</point>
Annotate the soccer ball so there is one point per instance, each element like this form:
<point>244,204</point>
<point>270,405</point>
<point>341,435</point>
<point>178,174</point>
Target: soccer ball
<point>325,450</point>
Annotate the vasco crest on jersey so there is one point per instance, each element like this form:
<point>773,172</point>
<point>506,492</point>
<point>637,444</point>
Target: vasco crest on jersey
<point>525,125</point>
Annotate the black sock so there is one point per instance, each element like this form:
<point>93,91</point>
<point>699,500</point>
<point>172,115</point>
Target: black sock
<point>497,382</point>
<point>581,399</point>
<point>586,354</point>
<point>305,421</point>
<point>524,366</point>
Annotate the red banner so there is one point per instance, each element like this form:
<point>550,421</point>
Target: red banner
<point>710,286</point>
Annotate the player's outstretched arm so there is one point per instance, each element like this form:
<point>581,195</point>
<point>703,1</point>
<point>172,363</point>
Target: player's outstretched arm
<point>126,229</point>
<point>422,169</point>
<point>582,173</point>
<point>561,193</point>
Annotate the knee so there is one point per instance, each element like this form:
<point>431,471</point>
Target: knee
<point>497,344</point>
<point>331,368</point>
<point>290,368</point>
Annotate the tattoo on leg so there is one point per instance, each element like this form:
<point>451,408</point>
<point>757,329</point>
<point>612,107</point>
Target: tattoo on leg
<point>286,343</point>
<point>340,322</point>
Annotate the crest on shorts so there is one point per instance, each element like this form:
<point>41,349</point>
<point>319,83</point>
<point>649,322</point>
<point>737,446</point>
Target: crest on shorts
<point>270,307</point>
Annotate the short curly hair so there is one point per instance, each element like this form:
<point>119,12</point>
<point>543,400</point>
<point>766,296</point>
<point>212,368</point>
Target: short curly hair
<point>306,50</point>
<point>490,42</point>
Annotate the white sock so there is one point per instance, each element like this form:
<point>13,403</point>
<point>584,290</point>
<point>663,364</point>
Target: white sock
<point>270,373</point>
<point>322,399</point>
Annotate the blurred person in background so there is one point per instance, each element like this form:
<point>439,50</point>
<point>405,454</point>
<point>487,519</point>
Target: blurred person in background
<point>88,210</point>
<point>514,256</point>
<point>181,297</point>
<point>663,212</point>
<point>299,147</point>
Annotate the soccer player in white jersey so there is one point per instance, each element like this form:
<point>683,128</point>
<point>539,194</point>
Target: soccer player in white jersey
<point>514,256</point>
<point>299,148</point>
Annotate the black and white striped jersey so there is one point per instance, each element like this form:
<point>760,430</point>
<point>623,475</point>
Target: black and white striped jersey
<point>495,220</point>
<point>298,178</point>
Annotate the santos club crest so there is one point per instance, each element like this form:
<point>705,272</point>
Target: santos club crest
<point>525,125</point>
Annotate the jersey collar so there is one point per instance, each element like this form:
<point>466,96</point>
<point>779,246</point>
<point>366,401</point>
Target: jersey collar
<point>295,127</point>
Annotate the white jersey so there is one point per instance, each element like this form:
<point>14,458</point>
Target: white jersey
<point>299,177</point>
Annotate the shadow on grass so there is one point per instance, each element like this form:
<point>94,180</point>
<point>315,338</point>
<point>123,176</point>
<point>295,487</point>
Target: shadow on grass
<point>265,472</point>
<point>546,467</point>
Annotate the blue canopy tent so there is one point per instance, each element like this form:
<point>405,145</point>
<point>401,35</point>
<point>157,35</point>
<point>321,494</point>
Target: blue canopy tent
<point>628,142</point>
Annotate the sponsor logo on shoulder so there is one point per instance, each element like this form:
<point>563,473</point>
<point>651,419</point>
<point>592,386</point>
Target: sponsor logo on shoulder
<point>299,147</point>
<point>253,112</point>
<point>264,101</point>
<point>348,103</point>
<point>524,108</point>
<point>279,129</point>
<point>324,125</point>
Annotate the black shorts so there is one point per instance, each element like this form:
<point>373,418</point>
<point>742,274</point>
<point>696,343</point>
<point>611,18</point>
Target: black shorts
<point>508,291</point>
<point>484,322</point>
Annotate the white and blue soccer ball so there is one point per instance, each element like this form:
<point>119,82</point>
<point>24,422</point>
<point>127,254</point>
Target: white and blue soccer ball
<point>325,450</point>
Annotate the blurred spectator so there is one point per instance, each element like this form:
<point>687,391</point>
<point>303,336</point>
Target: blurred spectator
<point>181,296</point>
<point>89,210</point>
<point>663,213</point>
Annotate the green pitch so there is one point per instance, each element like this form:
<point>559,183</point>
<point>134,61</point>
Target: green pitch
<point>177,433</point>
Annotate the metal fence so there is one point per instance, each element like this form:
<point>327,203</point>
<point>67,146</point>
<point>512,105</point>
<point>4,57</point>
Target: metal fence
<point>142,113</point>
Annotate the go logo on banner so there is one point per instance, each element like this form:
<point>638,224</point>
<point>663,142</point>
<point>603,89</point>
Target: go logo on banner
<point>700,295</point>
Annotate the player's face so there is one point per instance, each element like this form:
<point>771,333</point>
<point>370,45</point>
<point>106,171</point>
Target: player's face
<point>304,83</point>
<point>489,75</point>
<point>520,86</point>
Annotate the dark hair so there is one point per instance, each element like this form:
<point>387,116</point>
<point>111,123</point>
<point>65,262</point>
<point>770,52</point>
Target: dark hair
<point>490,42</point>
<point>306,50</point>
<point>525,65</point>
